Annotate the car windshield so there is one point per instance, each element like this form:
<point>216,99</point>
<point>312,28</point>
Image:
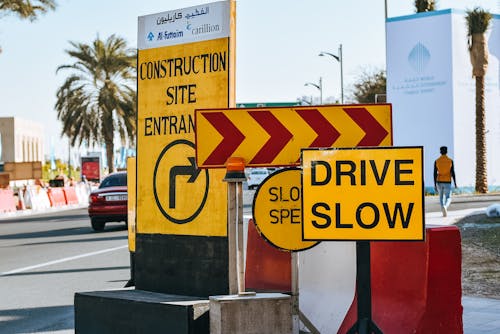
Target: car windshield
<point>114,180</point>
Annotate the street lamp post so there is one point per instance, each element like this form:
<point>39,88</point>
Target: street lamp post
<point>319,87</point>
<point>339,59</point>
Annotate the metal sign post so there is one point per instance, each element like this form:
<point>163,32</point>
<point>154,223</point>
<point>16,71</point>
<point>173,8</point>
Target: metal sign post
<point>235,175</point>
<point>295,292</point>
<point>365,323</point>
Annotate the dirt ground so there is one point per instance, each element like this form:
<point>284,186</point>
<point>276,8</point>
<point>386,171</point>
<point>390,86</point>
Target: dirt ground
<point>480,256</point>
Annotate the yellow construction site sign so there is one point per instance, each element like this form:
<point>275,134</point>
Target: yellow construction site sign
<point>371,193</point>
<point>131,200</point>
<point>185,61</point>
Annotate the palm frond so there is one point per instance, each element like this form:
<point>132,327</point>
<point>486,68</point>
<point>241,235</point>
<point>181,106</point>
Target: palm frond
<point>424,5</point>
<point>27,9</point>
<point>478,21</point>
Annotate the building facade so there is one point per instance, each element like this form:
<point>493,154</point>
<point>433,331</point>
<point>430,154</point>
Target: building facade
<point>21,140</point>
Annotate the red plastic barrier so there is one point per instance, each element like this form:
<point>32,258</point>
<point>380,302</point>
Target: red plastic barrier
<point>416,286</point>
<point>7,200</point>
<point>56,197</point>
<point>444,293</point>
<point>70,195</point>
<point>267,268</point>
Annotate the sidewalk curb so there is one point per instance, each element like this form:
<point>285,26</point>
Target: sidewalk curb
<point>30,212</point>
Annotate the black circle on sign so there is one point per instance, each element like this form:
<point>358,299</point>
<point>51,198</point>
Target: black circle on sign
<point>197,212</point>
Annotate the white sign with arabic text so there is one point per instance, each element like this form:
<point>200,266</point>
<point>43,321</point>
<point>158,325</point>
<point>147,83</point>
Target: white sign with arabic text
<point>192,24</point>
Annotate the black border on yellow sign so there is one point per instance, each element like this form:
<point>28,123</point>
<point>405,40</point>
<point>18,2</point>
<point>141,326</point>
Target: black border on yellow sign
<point>365,148</point>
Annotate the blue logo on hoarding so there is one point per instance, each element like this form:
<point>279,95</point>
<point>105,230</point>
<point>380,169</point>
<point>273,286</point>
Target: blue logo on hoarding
<point>151,36</point>
<point>419,57</point>
<point>424,80</point>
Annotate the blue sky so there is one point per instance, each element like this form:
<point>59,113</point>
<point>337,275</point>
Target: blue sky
<point>278,42</point>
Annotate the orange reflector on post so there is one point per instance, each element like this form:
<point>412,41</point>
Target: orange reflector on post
<point>235,169</point>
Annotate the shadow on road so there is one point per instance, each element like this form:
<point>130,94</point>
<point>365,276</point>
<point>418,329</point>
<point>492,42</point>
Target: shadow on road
<point>63,232</point>
<point>39,319</point>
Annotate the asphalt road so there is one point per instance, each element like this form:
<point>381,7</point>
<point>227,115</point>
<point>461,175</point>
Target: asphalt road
<point>45,259</point>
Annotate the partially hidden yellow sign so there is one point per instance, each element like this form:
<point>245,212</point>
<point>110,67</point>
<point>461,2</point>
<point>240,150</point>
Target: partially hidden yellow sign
<point>173,195</point>
<point>277,210</point>
<point>131,187</point>
<point>371,193</point>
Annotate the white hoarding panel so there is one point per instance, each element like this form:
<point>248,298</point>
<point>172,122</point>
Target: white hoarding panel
<point>463,105</point>
<point>431,88</point>
<point>419,83</point>
<point>492,84</point>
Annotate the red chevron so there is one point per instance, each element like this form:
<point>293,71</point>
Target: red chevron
<point>232,138</point>
<point>374,132</point>
<point>280,136</point>
<point>327,134</point>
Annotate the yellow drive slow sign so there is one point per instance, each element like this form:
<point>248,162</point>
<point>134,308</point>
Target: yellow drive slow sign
<point>373,193</point>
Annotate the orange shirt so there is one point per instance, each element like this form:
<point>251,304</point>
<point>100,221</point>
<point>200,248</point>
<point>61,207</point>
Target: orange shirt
<point>444,168</point>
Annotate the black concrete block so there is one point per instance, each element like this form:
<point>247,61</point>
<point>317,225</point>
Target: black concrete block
<point>137,311</point>
<point>182,264</point>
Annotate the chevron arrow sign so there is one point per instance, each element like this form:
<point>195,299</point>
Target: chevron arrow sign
<point>266,137</point>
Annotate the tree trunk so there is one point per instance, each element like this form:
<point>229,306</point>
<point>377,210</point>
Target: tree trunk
<point>110,155</point>
<point>481,169</point>
<point>108,134</point>
<point>479,54</point>
<point>479,59</point>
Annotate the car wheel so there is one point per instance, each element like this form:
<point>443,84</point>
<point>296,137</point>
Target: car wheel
<point>97,225</point>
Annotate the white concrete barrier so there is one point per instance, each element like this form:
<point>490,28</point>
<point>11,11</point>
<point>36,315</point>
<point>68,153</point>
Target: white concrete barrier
<point>82,192</point>
<point>36,198</point>
<point>327,283</point>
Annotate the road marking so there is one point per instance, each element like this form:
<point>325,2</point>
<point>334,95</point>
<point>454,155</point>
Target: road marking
<point>66,259</point>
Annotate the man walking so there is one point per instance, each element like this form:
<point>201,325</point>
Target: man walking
<point>444,172</point>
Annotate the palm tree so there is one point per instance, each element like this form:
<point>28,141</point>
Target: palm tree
<point>425,5</point>
<point>97,100</point>
<point>26,9</point>
<point>478,21</point>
